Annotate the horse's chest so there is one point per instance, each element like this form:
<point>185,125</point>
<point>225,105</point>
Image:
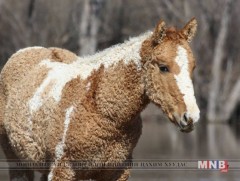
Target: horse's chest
<point>100,140</point>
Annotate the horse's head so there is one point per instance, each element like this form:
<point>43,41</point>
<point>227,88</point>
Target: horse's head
<point>169,64</point>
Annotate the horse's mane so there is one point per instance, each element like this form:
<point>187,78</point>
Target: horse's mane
<point>173,34</point>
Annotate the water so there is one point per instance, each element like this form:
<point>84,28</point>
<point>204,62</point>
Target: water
<point>162,140</point>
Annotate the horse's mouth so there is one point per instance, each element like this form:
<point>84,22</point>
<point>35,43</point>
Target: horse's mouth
<point>186,128</point>
<point>185,125</point>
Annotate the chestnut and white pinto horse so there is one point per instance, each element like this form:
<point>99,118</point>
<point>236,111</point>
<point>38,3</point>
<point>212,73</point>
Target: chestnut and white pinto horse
<point>57,106</point>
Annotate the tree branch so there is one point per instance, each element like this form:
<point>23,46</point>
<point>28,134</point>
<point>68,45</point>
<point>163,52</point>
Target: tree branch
<point>174,10</point>
<point>232,101</point>
<point>226,82</point>
<point>217,62</point>
<point>89,27</point>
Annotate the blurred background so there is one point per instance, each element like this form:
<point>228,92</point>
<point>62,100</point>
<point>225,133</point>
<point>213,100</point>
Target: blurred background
<point>87,26</point>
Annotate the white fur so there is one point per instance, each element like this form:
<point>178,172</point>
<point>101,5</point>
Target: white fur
<point>61,73</point>
<point>59,150</point>
<point>50,175</point>
<point>58,75</point>
<point>127,52</point>
<point>185,84</point>
<point>28,49</point>
<point>60,146</point>
<point>88,86</point>
<point>30,124</point>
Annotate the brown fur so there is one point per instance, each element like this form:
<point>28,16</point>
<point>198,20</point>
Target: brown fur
<point>105,124</point>
<point>157,84</point>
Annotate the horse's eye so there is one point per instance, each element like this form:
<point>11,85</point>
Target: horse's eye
<point>163,68</point>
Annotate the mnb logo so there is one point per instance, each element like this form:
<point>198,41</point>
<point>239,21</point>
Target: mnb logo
<point>221,165</point>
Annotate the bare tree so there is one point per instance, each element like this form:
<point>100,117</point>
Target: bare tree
<point>217,61</point>
<point>218,110</point>
<point>89,26</point>
<point>83,26</point>
<point>37,23</point>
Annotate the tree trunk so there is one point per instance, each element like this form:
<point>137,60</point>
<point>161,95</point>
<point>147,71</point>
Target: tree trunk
<point>89,27</point>
<point>217,62</point>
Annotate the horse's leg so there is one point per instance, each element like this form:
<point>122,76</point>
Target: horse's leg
<point>14,174</point>
<point>27,175</point>
<point>61,171</point>
<point>2,107</point>
<point>124,176</point>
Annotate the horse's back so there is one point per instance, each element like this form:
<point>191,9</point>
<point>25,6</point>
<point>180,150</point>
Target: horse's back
<point>27,59</point>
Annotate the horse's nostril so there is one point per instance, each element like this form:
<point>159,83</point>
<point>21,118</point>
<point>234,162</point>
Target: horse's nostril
<point>184,120</point>
<point>183,123</point>
<point>186,123</point>
<point>185,117</point>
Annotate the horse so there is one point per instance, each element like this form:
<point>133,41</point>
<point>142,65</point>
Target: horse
<point>57,106</point>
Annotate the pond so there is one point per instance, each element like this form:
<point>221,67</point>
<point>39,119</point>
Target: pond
<point>161,140</point>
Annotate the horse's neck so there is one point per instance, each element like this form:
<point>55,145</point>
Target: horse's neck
<point>120,90</point>
<point>127,52</point>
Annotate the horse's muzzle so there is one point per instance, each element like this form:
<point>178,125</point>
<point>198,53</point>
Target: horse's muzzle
<point>186,124</point>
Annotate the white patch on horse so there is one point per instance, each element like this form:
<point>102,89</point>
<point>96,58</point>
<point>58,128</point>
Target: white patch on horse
<point>30,124</point>
<point>60,146</point>
<point>185,84</point>
<point>61,73</point>
<point>88,86</point>
<point>127,52</point>
<point>50,175</point>
<point>59,150</point>
<point>28,49</point>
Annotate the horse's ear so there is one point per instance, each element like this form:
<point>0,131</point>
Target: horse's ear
<point>159,32</point>
<point>190,29</point>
